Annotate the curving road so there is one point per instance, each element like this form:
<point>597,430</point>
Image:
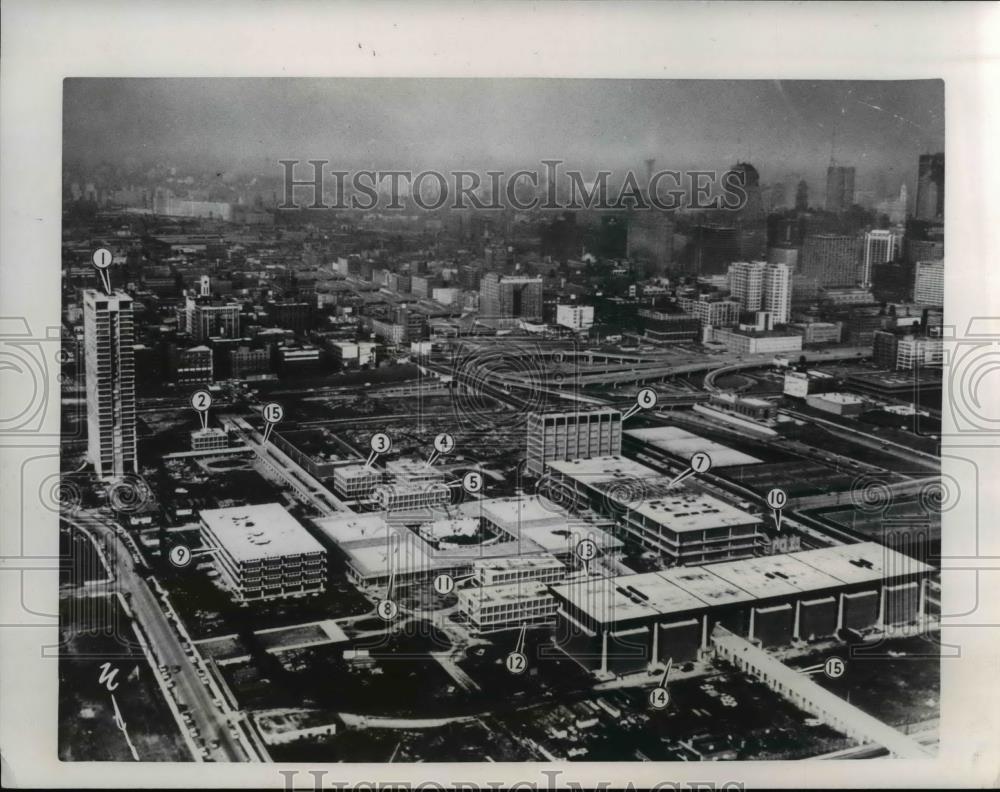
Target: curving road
<point>148,612</point>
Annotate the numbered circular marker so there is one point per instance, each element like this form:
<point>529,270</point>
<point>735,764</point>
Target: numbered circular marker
<point>646,398</point>
<point>516,663</point>
<point>444,443</point>
<point>180,555</point>
<point>658,698</point>
<point>273,412</point>
<point>201,400</point>
<point>102,258</point>
<point>380,443</point>
<point>444,584</point>
<point>472,482</point>
<point>701,462</point>
<point>834,667</point>
<point>777,498</point>
<point>586,549</point>
<point>387,610</point>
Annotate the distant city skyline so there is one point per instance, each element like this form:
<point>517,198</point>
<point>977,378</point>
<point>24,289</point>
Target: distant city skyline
<point>788,129</point>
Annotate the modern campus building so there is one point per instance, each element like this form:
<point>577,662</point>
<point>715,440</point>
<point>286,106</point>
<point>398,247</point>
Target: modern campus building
<point>518,569</point>
<point>572,435</point>
<point>409,497</point>
<point>355,481</point>
<point>539,525</point>
<point>108,338</point>
<point>617,625</point>
<point>209,439</point>
<point>681,524</point>
<point>411,471</point>
<point>509,606</point>
<point>376,548</point>
<point>262,552</point>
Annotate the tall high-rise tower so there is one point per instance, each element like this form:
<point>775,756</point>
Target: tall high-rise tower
<point>746,283</point>
<point>881,246</point>
<point>802,196</point>
<point>839,188</point>
<point>760,286</point>
<point>930,187</point>
<point>776,298</point>
<point>109,337</point>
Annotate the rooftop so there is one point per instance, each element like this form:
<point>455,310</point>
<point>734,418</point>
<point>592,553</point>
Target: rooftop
<point>263,531</point>
<point>519,562</point>
<point>643,490</point>
<point>693,588</point>
<point>839,398</point>
<point>773,576</point>
<point>522,511</point>
<point>506,592</point>
<point>682,443</point>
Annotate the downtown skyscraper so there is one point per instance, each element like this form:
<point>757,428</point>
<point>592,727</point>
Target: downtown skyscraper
<point>109,337</point>
<point>839,188</point>
<point>881,247</point>
<point>760,286</point>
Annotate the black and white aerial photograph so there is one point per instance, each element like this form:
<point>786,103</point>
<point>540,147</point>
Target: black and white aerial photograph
<point>487,396</point>
<point>510,420</point>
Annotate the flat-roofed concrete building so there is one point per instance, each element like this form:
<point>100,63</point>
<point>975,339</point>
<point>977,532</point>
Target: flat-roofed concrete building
<point>572,435</point>
<point>539,525</point>
<point>615,625</point>
<point>262,552</point>
<point>355,481</point>
<point>506,607</point>
<point>518,569</point>
<point>209,439</point>
<point>682,443</point>
<point>408,497</point>
<point>681,524</point>
<point>376,548</point>
<point>376,551</point>
<point>411,471</point>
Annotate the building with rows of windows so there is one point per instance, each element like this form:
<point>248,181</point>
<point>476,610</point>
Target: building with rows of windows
<point>262,552</point>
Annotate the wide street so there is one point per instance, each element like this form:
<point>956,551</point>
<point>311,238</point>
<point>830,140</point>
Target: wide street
<point>189,689</point>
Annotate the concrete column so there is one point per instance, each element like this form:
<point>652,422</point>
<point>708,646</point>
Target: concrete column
<point>880,621</point>
<point>604,651</point>
<point>753,622</point>
<point>704,631</point>
<point>840,612</point>
<point>922,606</point>
<point>656,644</point>
<point>798,616</point>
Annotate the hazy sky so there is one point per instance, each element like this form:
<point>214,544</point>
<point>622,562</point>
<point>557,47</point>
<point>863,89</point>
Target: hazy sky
<point>247,124</point>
